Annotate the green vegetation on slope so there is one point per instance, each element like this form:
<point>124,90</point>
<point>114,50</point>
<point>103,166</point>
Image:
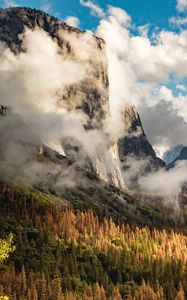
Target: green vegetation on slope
<point>6,247</point>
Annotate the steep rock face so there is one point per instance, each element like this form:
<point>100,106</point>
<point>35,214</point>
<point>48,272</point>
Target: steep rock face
<point>89,96</point>
<point>135,142</point>
<point>3,110</point>
<point>172,154</point>
<point>182,156</point>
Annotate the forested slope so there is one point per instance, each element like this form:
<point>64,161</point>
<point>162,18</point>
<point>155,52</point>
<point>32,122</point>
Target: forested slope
<point>64,253</point>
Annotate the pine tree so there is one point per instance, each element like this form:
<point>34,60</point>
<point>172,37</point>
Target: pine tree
<point>180,294</point>
<point>42,287</point>
<point>34,292</point>
<point>56,289</point>
<point>103,294</point>
<point>116,294</point>
<point>23,280</point>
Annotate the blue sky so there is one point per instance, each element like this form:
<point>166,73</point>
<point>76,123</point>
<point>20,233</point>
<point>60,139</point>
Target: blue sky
<point>155,12</point>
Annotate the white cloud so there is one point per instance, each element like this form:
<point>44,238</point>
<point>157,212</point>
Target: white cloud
<point>144,29</point>
<point>181,5</point>
<point>46,6</point>
<point>164,117</point>
<point>32,84</point>
<point>178,21</point>
<point>181,87</point>
<point>72,21</point>
<point>10,3</point>
<point>167,183</point>
<point>95,9</point>
<point>34,62</point>
<point>139,69</point>
<point>120,15</point>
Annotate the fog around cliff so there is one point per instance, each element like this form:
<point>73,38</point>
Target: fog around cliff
<point>30,86</point>
<point>140,69</point>
<point>32,82</point>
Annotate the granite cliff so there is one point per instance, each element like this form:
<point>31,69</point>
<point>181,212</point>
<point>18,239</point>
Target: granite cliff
<point>90,97</point>
<point>135,143</point>
<point>182,156</point>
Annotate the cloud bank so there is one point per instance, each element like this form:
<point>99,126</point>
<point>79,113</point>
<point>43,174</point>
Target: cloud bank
<point>46,6</point>
<point>72,21</point>
<point>95,9</point>
<point>181,5</point>
<point>140,69</point>
<point>31,85</point>
<point>10,3</point>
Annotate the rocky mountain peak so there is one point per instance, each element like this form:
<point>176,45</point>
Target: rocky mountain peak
<point>179,154</point>
<point>14,20</point>
<point>89,96</point>
<point>135,142</point>
<point>3,110</point>
<point>172,153</point>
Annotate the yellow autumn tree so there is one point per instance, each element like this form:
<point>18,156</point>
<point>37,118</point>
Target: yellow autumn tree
<point>6,247</point>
